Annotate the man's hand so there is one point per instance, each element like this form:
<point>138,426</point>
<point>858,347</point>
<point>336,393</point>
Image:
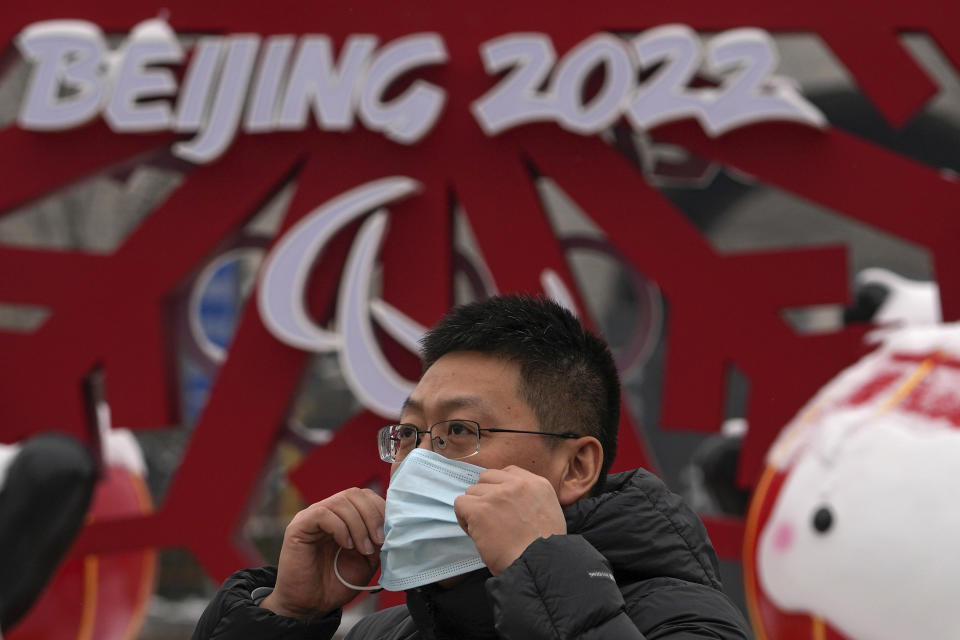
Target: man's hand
<point>306,585</point>
<point>507,510</point>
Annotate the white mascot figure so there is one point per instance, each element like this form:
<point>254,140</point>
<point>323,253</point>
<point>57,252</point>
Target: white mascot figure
<point>853,528</point>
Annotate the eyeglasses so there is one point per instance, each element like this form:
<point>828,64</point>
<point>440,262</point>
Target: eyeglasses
<point>454,439</point>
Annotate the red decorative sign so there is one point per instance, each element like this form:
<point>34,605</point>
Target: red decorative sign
<point>479,152</point>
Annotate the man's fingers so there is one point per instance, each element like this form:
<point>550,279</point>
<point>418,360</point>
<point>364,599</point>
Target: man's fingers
<point>480,489</point>
<point>347,510</point>
<point>494,476</point>
<point>499,476</point>
<point>353,518</point>
<point>492,480</point>
<point>316,521</point>
<point>371,507</point>
<point>461,507</point>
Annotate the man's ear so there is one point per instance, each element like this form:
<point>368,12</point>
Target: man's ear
<point>583,467</point>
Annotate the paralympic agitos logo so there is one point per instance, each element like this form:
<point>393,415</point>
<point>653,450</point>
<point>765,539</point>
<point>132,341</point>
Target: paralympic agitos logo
<point>260,85</point>
<point>284,276</point>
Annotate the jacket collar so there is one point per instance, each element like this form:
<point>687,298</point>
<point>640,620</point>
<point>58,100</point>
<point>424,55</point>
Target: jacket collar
<point>463,611</point>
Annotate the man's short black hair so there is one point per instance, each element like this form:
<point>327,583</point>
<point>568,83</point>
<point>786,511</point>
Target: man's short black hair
<point>567,374</point>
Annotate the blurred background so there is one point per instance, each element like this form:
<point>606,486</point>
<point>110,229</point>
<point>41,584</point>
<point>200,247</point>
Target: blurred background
<point>93,218</point>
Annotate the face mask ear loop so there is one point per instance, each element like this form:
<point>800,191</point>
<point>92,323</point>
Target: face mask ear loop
<point>336,572</point>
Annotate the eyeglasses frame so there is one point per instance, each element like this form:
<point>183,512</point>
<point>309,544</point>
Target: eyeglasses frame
<point>566,435</point>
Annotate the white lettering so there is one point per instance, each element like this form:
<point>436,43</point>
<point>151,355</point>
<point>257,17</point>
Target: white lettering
<point>407,118</point>
<point>741,59</point>
<point>751,94</point>
<point>193,104</point>
<point>75,76</point>
<point>601,574</point>
<point>517,99</point>
<point>262,114</point>
<point>665,97</point>
<point>572,74</point>
<point>66,88</point>
<point>228,105</point>
<point>315,77</point>
<point>150,43</point>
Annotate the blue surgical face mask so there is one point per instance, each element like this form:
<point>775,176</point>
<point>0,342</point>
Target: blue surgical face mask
<point>423,541</point>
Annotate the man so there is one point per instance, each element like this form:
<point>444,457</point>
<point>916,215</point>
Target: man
<point>516,392</point>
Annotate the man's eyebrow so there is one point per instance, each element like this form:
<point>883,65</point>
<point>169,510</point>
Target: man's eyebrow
<point>462,402</point>
<point>449,404</point>
<point>410,403</point>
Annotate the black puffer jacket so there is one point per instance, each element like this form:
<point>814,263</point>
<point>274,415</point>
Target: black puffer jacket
<point>635,564</point>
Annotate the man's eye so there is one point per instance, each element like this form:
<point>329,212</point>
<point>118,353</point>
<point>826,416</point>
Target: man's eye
<point>461,429</point>
<point>406,433</point>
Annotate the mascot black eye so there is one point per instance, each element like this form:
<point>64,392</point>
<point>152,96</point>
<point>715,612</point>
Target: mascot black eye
<point>822,519</point>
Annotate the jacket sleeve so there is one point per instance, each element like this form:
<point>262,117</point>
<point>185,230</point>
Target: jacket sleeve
<point>562,587</point>
<point>683,610</point>
<point>232,614</point>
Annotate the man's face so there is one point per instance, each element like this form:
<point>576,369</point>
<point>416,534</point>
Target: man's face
<point>475,386</point>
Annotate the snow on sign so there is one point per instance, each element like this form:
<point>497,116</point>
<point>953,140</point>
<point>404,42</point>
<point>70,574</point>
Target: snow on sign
<point>270,84</point>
